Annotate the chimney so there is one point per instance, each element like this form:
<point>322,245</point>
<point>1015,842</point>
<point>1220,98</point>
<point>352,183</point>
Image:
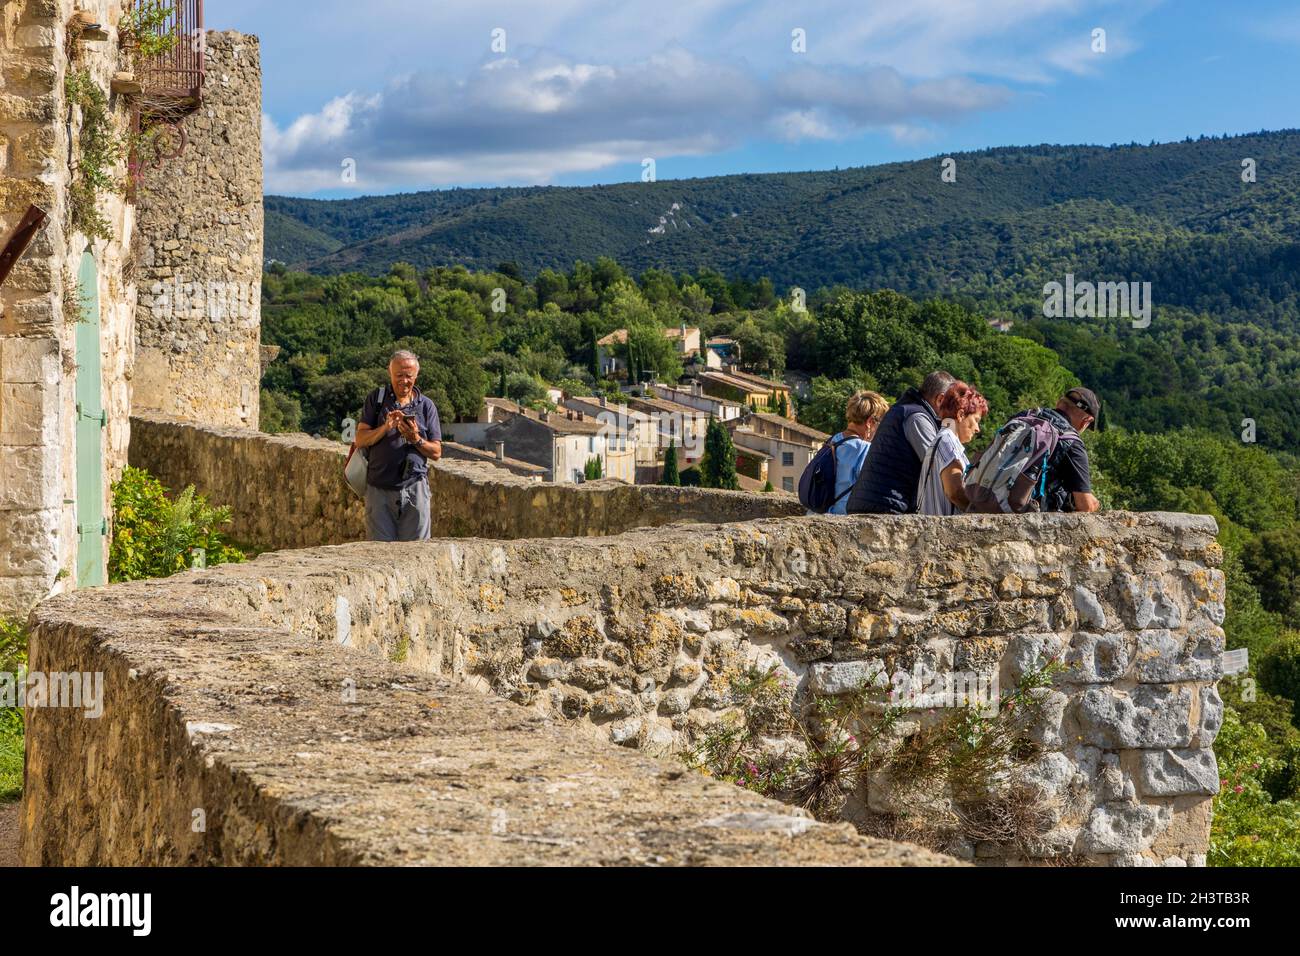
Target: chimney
<point>582,416</point>
<point>545,415</point>
<point>604,401</point>
<point>695,388</point>
<point>570,413</point>
<point>501,451</point>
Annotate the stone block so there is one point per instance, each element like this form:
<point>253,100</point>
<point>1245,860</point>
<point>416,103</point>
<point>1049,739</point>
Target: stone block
<point>35,36</point>
<point>18,595</point>
<point>1027,653</point>
<point>30,478</point>
<point>548,669</point>
<point>1166,657</point>
<point>1089,608</point>
<point>847,677</point>
<point>28,414</point>
<point>1147,602</point>
<point>1097,658</point>
<point>29,360</point>
<point>820,617</point>
<point>1049,731</point>
<point>1112,782</point>
<point>28,545</point>
<point>1149,716</point>
<point>1123,828</point>
<point>1209,716</point>
<point>1170,773</point>
<point>750,620</point>
<point>1188,833</point>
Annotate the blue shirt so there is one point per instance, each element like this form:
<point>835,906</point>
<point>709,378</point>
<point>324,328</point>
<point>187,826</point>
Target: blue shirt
<point>393,462</point>
<point>849,456</point>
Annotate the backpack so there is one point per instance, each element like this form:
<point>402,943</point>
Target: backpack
<point>1011,476</point>
<point>354,468</point>
<point>817,483</point>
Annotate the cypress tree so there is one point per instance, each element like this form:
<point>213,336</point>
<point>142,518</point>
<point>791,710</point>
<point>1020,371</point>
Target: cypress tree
<point>671,474</point>
<point>718,469</point>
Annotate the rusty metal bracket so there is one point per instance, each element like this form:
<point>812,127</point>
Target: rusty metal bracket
<point>31,223</point>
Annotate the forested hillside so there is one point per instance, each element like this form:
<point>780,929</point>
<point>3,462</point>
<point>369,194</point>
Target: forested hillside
<point>1177,215</point>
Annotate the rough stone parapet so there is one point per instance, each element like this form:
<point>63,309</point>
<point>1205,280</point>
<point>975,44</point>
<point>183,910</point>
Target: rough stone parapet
<point>638,637</point>
<point>287,491</point>
<point>228,741</point>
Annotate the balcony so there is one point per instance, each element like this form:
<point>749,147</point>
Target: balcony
<point>168,74</point>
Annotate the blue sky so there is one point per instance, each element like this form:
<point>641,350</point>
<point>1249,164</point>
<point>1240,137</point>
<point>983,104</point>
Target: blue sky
<point>416,95</point>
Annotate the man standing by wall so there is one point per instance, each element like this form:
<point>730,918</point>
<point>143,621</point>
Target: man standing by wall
<point>403,434</point>
<point>887,482</point>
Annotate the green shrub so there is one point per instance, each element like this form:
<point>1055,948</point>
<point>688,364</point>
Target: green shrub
<point>154,536</point>
<point>13,658</point>
<point>1250,828</point>
<point>1279,668</point>
<point>1282,739</point>
<point>280,413</point>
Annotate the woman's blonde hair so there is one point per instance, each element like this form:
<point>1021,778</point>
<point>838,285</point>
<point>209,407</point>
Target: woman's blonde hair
<point>865,406</point>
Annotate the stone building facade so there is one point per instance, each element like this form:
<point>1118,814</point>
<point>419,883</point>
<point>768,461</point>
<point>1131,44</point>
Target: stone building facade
<point>66,313</point>
<point>68,310</point>
<point>200,253</point>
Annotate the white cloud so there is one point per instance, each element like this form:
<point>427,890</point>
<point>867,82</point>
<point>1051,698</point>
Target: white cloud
<point>533,118</point>
<point>726,75</point>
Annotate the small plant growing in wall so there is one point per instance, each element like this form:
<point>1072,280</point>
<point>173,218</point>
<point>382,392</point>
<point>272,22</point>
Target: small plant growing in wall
<point>98,151</point>
<point>956,778</point>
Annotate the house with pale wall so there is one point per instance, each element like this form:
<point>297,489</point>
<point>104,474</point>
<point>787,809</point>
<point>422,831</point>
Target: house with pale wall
<point>678,425</point>
<point>142,297</point>
<point>693,396</point>
<point>563,442</point>
<point>776,448</point>
<point>640,428</point>
<point>752,391</point>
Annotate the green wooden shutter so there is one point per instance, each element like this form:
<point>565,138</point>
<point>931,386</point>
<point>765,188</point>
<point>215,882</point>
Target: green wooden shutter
<point>92,526</point>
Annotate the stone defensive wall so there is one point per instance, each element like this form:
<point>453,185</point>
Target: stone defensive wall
<point>287,491</point>
<point>253,715</point>
<point>461,700</point>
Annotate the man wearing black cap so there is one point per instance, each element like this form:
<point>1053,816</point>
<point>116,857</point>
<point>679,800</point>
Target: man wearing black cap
<point>1069,476</point>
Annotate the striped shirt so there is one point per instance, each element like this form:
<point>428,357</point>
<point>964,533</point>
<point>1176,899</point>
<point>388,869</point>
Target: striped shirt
<point>930,496</point>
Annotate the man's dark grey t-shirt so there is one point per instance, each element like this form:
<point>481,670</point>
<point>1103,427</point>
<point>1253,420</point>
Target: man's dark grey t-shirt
<point>393,462</point>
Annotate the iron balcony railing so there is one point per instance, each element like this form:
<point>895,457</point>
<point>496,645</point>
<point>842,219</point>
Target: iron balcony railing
<point>175,76</point>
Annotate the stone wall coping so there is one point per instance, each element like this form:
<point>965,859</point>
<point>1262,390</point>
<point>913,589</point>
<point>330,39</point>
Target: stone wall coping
<point>248,720</point>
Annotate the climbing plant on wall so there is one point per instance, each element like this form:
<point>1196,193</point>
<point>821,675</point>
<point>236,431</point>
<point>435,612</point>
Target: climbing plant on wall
<point>97,150</point>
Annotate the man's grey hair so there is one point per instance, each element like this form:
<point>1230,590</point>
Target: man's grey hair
<point>935,385</point>
<point>402,355</point>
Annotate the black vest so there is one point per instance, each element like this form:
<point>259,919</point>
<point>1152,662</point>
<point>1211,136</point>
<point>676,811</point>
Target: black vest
<point>887,482</point>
